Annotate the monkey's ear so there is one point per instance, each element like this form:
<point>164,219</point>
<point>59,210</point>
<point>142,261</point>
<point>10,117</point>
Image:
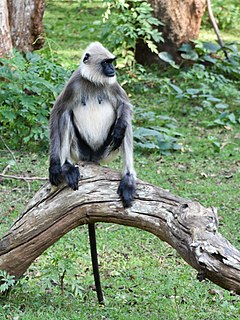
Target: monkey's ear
<point>85,59</point>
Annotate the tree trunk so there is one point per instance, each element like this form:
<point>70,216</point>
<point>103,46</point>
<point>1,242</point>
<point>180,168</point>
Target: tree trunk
<point>21,25</point>
<point>182,20</point>
<point>186,225</point>
<point>5,36</point>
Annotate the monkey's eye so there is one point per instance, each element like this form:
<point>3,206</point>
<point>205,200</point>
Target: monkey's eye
<point>85,59</point>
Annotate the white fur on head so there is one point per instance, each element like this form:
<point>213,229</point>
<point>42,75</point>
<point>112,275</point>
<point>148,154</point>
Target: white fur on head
<point>91,69</point>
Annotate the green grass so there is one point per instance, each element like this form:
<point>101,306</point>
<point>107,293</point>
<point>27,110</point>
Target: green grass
<point>73,27</point>
<point>142,277</point>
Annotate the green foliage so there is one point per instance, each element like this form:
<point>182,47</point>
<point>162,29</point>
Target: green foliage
<point>6,281</point>
<point>215,143</point>
<point>29,87</point>
<point>126,22</point>
<point>167,57</point>
<point>209,82</point>
<point>61,270</point>
<point>211,54</point>
<point>226,13</point>
<point>157,133</point>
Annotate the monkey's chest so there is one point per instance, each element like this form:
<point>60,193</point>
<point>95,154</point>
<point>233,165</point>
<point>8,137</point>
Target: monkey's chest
<point>94,121</point>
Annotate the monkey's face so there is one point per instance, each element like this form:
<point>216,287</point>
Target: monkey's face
<point>97,65</point>
<point>108,67</point>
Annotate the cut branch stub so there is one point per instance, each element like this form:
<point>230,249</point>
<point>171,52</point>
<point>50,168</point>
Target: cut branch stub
<point>187,226</point>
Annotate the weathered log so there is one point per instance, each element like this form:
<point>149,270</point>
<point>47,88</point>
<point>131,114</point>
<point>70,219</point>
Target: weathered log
<point>186,225</point>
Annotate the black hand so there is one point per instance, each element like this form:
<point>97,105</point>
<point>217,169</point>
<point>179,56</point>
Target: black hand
<point>127,190</point>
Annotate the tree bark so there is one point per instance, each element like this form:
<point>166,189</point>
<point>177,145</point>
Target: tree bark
<point>5,36</point>
<point>182,20</point>
<point>21,25</point>
<point>186,225</point>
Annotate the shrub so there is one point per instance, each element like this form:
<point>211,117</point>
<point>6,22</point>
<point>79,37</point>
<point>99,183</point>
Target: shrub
<point>29,86</point>
<point>125,23</point>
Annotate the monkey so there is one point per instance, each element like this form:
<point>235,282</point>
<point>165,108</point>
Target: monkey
<point>91,121</point>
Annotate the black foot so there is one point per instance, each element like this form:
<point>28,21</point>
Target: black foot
<point>55,174</point>
<point>127,189</point>
<point>71,175</point>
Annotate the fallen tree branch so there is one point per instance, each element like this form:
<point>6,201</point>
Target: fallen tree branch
<point>186,225</point>
<point>5,176</point>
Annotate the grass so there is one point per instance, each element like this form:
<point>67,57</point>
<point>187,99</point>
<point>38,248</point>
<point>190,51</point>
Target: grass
<point>73,27</point>
<point>142,277</point>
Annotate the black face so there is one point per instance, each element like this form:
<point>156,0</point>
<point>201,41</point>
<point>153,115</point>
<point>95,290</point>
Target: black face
<point>108,68</point>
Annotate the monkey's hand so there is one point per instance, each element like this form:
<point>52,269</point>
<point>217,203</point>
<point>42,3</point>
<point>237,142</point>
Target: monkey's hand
<point>55,173</point>
<point>71,175</point>
<point>118,133</point>
<point>127,189</point>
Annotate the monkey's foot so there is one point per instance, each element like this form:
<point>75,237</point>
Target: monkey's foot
<point>55,174</point>
<point>71,175</point>
<point>127,189</point>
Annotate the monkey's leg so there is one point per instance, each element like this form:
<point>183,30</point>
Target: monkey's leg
<point>93,246</point>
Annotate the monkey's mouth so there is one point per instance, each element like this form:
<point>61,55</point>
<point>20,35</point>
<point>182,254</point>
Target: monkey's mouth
<point>111,74</point>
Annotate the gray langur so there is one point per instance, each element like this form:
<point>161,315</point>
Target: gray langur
<point>91,121</point>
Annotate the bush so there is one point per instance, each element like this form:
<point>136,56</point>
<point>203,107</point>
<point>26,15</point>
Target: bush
<point>29,87</point>
<point>125,23</point>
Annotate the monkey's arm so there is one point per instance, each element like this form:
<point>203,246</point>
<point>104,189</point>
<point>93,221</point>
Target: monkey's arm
<point>60,139</point>
<point>122,135</point>
<point>119,129</point>
<point>55,169</point>
<point>124,115</point>
<point>127,186</point>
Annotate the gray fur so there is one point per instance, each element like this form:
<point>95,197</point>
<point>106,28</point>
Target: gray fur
<point>109,109</point>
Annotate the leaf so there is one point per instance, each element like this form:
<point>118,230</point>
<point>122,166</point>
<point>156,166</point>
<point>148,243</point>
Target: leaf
<point>145,132</point>
<point>193,91</point>
<point>185,47</point>
<point>176,88</point>
<point>167,57</point>
<point>232,118</point>
<point>192,55</point>
<point>210,46</point>
<point>221,106</point>
<point>164,145</point>
<point>176,146</point>
<point>223,115</point>
<point>219,121</point>
<point>3,287</point>
<point>8,115</point>
<point>208,58</point>
<point>147,145</point>
<point>213,99</point>
<point>216,144</point>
